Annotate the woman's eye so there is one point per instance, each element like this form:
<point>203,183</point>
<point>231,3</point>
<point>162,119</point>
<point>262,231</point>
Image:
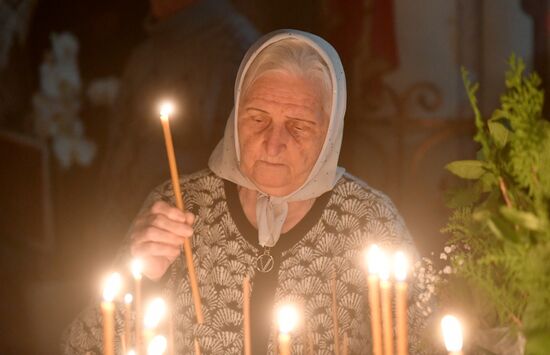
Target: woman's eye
<point>258,119</point>
<point>299,128</point>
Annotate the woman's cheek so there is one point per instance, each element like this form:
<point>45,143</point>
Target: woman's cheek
<point>248,151</point>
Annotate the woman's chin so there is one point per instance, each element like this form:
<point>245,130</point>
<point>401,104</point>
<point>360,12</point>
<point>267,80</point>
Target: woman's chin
<point>272,184</point>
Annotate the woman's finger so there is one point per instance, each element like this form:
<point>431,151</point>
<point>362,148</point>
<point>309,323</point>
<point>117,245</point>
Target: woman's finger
<point>149,249</point>
<point>161,207</point>
<point>157,235</point>
<point>163,222</point>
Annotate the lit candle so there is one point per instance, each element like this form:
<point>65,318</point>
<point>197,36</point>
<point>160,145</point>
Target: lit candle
<point>197,347</point>
<point>122,339</point>
<point>452,334</point>
<point>166,110</point>
<point>246,316</point>
<point>385,291</point>
<point>110,290</point>
<point>157,346</point>
<point>153,315</point>
<point>136,267</point>
<point>400,270</point>
<point>310,343</point>
<point>171,345</point>
<point>127,320</point>
<point>335,316</point>
<point>287,318</point>
<point>373,262</point>
<point>345,345</point>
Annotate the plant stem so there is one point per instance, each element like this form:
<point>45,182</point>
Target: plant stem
<point>504,191</point>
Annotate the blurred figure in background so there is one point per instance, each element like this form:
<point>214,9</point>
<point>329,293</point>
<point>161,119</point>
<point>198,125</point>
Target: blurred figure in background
<point>191,56</point>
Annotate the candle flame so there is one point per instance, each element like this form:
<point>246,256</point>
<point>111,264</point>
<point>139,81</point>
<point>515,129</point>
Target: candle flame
<point>112,286</point>
<point>372,257</point>
<point>131,352</point>
<point>166,109</point>
<point>137,267</point>
<point>154,313</point>
<point>452,333</point>
<point>400,266</point>
<point>157,346</point>
<point>384,267</point>
<point>287,318</point>
<point>128,298</point>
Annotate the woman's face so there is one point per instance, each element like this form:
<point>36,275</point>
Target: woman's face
<point>282,128</point>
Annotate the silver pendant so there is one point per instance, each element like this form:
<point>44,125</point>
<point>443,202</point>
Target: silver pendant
<point>265,262</point>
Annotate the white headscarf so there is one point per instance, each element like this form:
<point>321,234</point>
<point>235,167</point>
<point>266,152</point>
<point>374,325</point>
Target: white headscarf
<point>271,211</point>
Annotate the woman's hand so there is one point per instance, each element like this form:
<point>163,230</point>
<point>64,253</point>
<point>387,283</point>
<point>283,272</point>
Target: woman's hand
<point>157,236</point>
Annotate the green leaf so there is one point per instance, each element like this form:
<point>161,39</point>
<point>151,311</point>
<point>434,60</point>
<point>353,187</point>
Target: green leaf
<point>499,132</point>
<point>488,182</point>
<point>502,229</point>
<point>524,219</point>
<point>480,155</point>
<point>461,197</point>
<point>538,342</point>
<point>481,214</point>
<point>467,169</point>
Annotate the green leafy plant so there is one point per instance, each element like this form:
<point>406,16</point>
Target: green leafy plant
<point>500,225</point>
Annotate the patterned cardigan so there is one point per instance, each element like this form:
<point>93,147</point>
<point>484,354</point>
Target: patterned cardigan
<point>354,217</point>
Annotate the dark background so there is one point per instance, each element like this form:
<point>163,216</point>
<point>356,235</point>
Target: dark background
<point>51,261</point>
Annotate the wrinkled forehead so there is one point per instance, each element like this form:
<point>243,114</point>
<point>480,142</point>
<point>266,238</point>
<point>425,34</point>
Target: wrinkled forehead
<point>315,43</point>
<point>286,93</point>
<point>289,64</point>
<point>337,97</point>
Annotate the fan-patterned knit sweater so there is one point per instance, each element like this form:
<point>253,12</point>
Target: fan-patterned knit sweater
<point>326,247</point>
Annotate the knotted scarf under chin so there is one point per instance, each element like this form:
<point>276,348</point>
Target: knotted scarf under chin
<point>271,214</point>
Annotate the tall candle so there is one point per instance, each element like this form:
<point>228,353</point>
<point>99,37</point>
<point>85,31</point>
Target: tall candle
<point>110,290</point>
<point>153,315</point>
<point>400,270</point>
<point>123,347</point>
<point>128,298</point>
<point>385,292</point>
<point>197,347</point>
<point>452,334</point>
<point>287,318</point>
<point>157,345</point>
<point>171,340</point>
<point>165,112</point>
<point>335,330</point>
<point>373,262</point>
<point>246,316</point>
<point>137,267</point>
<point>345,344</point>
<point>310,349</point>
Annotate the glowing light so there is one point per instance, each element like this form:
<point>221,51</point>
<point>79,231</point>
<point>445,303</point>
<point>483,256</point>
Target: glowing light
<point>287,318</point>
<point>131,352</point>
<point>137,268</point>
<point>372,257</point>
<point>112,286</point>
<point>384,267</point>
<point>157,346</point>
<point>166,109</point>
<point>400,266</point>
<point>452,333</point>
<point>154,313</point>
<point>128,298</point>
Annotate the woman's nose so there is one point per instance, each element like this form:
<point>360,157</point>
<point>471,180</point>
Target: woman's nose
<point>276,140</point>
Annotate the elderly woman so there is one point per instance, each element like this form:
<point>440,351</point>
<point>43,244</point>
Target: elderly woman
<point>273,206</point>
